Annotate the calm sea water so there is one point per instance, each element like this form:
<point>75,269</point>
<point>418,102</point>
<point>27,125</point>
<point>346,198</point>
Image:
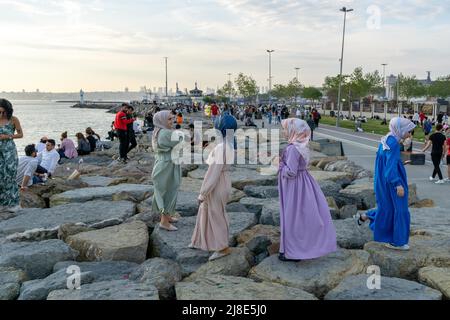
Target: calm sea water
<point>48,118</point>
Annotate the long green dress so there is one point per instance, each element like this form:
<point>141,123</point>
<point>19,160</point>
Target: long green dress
<point>166,175</point>
<point>9,190</point>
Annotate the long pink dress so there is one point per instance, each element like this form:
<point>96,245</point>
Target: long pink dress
<point>211,231</point>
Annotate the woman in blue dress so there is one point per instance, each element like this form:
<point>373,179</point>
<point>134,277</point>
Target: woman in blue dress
<point>390,222</point>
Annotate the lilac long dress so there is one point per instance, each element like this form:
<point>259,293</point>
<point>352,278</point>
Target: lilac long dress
<point>307,231</point>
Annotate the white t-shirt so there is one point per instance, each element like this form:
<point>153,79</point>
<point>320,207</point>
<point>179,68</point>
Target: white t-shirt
<point>27,167</point>
<point>49,160</point>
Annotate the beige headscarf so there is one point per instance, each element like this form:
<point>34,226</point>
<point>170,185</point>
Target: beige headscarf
<point>160,121</point>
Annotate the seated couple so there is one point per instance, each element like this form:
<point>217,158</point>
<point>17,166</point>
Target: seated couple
<point>34,167</point>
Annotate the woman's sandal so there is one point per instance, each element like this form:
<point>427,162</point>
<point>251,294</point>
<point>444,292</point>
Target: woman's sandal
<point>359,220</point>
<point>171,228</point>
<point>282,257</point>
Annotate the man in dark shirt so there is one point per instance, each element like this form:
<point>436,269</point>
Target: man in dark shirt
<point>131,134</point>
<point>312,126</point>
<point>437,141</point>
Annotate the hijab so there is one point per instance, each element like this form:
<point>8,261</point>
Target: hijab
<point>160,121</point>
<point>299,135</point>
<point>398,128</point>
<point>224,151</point>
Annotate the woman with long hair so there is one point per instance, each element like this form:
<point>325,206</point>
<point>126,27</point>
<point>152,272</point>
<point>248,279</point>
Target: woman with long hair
<point>67,149</point>
<point>84,147</point>
<point>10,129</point>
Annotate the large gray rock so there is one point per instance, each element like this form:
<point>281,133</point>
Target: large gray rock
<point>89,213</point>
<point>351,236</point>
<point>108,290</point>
<point>101,271</point>
<point>425,252</point>
<point>361,195</point>
<point>238,264</point>
<point>259,238</point>
<point>133,191</point>
<point>261,191</point>
<point>256,205</point>
<point>341,178</point>
<point>187,204</point>
<point>270,213</point>
<point>39,289</point>
<point>9,291</point>
<point>36,259</point>
<point>433,221</point>
<point>241,177</point>
<point>174,245</point>
<point>316,276</point>
<point>437,278</point>
<point>330,188</point>
<point>219,287</point>
<point>356,171</point>
<point>356,288</point>
<point>97,181</point>
<point>125,242</point>
<point>10,282</point>
<point>161,273</point>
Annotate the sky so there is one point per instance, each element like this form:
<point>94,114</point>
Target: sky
<point>97,45</point>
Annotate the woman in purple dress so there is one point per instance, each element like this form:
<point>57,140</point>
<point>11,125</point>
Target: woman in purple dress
<point>307,231</point>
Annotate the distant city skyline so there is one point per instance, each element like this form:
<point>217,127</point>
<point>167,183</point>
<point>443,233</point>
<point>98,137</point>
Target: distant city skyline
<point>99,45</point>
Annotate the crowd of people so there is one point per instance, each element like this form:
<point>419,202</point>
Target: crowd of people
<point>307,231</point>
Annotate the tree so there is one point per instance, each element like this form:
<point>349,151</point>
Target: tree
<point>440,88</point>
<point>279,91</point>
<point>409,87</point>
<point>246,86</point>
<point>331,87</point>
<point>361,85</point>
<point>312,93</point>
<point>294,89</point>
<point>227,91</point>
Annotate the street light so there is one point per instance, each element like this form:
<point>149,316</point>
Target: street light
<point>297,69</point>
<point>167,96</point>
<point>270,75</point>
<point>385,88</point>
<point>229,84</point>
<point>345,10</point>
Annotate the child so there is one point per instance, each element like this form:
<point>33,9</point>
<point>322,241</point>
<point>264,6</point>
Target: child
<point>307,231</point>
<point>390,222</point>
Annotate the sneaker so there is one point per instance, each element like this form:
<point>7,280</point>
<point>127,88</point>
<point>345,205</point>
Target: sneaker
<point>440,182</point>
<point>217,255</point>
<point>447,179</point>
<point>402,248</point>
<point>432,179</point>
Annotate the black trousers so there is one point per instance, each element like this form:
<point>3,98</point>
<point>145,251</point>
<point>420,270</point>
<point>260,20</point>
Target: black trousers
<point>436,158</point>
<point>124,143</point>
<point>131,140</point>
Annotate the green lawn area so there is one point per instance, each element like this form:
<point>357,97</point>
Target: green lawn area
<point>372,126</point>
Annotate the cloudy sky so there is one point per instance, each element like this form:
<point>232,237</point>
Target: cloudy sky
<point>65,45</point>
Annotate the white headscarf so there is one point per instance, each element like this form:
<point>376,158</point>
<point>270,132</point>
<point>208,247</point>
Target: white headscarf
<point>398,127</point>
<point>299,134</point>
<point>160,121</point>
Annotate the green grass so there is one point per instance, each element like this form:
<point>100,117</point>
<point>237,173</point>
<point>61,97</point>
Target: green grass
<point>372,126</point>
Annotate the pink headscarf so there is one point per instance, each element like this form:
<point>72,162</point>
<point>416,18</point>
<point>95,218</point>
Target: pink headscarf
<point>299,134</point>
<point>160,121</point>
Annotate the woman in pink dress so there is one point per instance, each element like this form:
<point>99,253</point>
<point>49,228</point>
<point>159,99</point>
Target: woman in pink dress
<point>307,231</point>
<point>67,148</point>
<point>211,231</point>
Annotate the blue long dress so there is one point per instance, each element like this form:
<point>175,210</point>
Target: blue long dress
<point>390,222</point>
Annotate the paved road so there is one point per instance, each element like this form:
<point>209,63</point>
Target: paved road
<point>362,147</point>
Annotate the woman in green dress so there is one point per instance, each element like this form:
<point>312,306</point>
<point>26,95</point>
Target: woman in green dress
<point>9,125</point>
<point>166,174</point>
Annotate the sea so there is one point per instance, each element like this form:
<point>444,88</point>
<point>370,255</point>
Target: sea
<point>51,119</point>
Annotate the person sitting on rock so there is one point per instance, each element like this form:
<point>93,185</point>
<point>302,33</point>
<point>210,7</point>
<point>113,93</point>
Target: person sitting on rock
<point>211,231</point>
<point>307,231</point>
<point>84,148</point>
<point>48,159</point>
<point>390,222</point>
<point>67,148</point>
<point>93,138</point>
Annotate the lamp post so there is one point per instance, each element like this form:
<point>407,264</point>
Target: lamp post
<point>229,84</point>
<point>297,69</point>
<point>270,75</point>
<point>345,10</point>
<point>296,77</point>
<point>385,88</point>
<point>167,95</point>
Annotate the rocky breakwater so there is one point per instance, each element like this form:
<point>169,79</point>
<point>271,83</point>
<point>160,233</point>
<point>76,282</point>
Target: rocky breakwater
<point>103,226</point>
